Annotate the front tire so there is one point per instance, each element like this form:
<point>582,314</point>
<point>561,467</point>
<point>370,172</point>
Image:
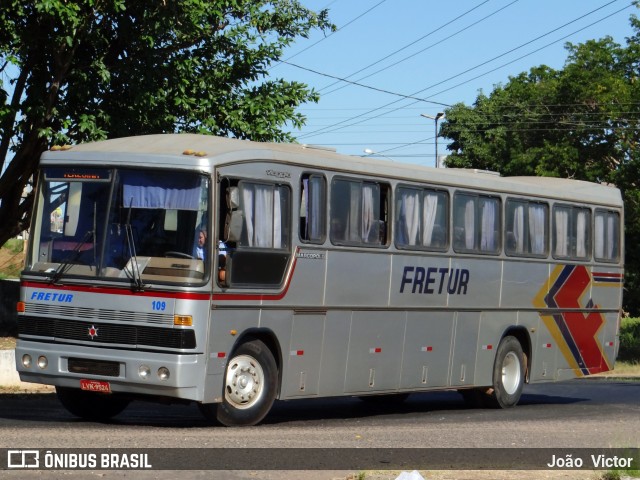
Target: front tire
<point>508,374</point>
<point>250,386</point>
<point>97,407</point>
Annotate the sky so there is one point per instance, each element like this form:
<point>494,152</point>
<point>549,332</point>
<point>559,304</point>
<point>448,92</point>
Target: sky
<point>435,53</point>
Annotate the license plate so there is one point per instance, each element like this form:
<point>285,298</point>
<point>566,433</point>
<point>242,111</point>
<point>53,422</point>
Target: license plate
<point>95,386</point>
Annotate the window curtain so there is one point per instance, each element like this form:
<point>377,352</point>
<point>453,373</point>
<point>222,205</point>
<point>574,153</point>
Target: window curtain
<point>581,234</point>
<point>247,200</point>
<point>488,239</point>
<point>612,228</point>
<point>314,219</point>
<point>262,215</point>
<point>518,228</point>
<point>368,214</point>
<point>599,235</point>
<point>537,227</point>
<point>141,190</point>
<point>429,217</point>
<point>469,224</point>
<point>562,232</point>
<point>354,223</point>
<point>409,218</point>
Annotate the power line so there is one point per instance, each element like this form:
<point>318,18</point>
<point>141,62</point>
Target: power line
<point>519,58</point>
<point>332,33</point>
<point>338,126</point>
<point>405,47</point>
<point>423,50</point>
<point>542,105</point>
<point>367,86</point>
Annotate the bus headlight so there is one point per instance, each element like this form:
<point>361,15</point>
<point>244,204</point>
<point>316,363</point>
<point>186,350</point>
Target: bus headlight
<point>26,360</point>
<point>163,373</point>
<point>42,362</point>
<point>144,371</point>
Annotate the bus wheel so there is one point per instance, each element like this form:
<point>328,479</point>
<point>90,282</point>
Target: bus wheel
<point>89,405</point>
<point>250,385</point>
<point>508,374</point>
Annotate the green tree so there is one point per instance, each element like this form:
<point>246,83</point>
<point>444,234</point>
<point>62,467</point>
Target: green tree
<point>578,122</point>
<point>83,70</point>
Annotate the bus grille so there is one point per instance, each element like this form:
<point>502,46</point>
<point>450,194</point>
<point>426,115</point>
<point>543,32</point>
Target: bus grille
<point>100,314</point>
<point>93,367</point>
<point>108,333</point>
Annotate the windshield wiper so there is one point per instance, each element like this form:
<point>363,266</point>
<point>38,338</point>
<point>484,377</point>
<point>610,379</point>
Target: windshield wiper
<point>75,253</point>
<point>136,276</point>
<point>66,262</point>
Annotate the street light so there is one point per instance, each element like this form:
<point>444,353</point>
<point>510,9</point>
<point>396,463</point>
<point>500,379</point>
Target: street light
<point>438,116</point>
<point>371,153</point>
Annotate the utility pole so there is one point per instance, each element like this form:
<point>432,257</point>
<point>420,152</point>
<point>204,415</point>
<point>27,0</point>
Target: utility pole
<point>438,116</point>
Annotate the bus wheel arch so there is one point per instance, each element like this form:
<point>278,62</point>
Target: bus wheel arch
<point>509,372</point>
<point>251,382</point>
<point>269,338</point>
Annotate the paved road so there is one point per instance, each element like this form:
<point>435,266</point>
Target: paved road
<point>578,414</point>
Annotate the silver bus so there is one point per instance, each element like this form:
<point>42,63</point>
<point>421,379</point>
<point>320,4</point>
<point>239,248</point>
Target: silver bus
<point>231,274</point>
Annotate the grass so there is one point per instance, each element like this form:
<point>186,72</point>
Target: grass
<point>626,368</point>
<point>11,258</point>
<point>620,474</point>
<point>7,343</point>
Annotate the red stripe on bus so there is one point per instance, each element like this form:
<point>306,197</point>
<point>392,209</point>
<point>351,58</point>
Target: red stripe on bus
<point>116,291</point>
<point>177,295</point>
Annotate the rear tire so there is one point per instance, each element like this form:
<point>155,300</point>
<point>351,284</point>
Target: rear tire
<point>508,374</point>
<point>92,406</point>
<point>251,379</point>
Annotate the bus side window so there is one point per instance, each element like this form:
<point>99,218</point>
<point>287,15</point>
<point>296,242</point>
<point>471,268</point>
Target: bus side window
<point>606,236</point>
<point>359,213</point>
<point>257,234</point>
<point>476,224</point>
<point>572,232</point>
<point>422,219</point>
<point>526,228</point>
<point>313,194</point>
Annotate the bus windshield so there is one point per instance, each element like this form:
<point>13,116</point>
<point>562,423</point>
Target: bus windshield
<point>139,226</point>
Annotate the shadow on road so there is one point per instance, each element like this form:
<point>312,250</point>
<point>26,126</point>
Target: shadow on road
<point>45,408</point>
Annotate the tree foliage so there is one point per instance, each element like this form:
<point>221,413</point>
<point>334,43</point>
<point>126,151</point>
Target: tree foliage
<point>578,122</point>
<point>82,70</point>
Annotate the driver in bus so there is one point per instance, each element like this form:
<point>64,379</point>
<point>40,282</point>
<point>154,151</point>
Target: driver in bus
<point>199,250</point>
